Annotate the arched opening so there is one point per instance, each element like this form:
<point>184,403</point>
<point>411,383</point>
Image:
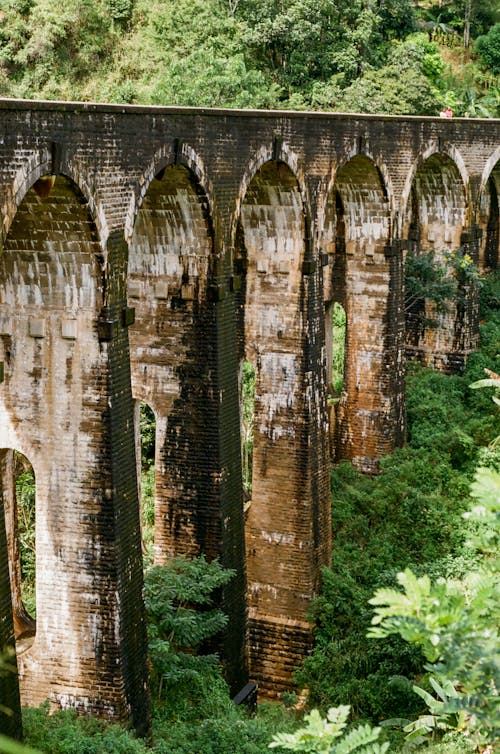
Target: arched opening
<point>145,443</point>
<point>247,412</point>
<point>440,329</point>
<point>172,357</point>
<point>59,406</point>
<point>339,328</point>
<point>19,499</point>
<point>269,251</point>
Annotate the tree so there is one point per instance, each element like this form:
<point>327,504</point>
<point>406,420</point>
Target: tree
<point>303,41</point>
<point>488,48</point>
<point>181,618</point>
<point>456,624</point>
<point>404,86</point>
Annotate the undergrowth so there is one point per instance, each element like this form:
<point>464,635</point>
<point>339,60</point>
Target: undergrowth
<point>408,516</point>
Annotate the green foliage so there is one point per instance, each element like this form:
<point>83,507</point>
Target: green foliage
<point>489,295</point>
<point>405,84</point>
<point>64,732</point>
<point>320,736</point>
<point>428,278</point>
<point>216,726</point>
<point>120,10</point>
<point>48,44</point>
<point>336,54</point>
<point>487,47</point>
<point>25,497</point>
<point>409,514</point>
<point>163,60</point>
<point>147,426</point>
<point>181,618</point>
<point>439,279</point>
<point>455,623</point>
<point>148,513</point>
<point>225,731</point>
<point>8,746</point>
<point>247,417</point>
<point>338,351</point>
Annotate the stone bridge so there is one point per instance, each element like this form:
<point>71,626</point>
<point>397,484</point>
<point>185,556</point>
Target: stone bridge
<point>145,254</point>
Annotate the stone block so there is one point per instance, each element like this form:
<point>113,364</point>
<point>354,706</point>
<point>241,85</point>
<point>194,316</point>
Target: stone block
<point>36,328</point>
<point>69,328</point>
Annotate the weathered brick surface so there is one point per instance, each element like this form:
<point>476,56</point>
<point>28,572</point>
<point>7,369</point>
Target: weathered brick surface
<point>61,406</point>
<point>168,210</point>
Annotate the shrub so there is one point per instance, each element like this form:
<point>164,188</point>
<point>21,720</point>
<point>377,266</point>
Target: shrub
<point>181,619</point>
<point>487,48</point>
<point>411,514</point>
<point>64,732</point>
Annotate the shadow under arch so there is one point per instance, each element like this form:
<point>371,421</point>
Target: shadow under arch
<point>169,156</point>
<point>38,176</point>
<point>488,219</point>
<point>280,153</point>
<point>447,155</point>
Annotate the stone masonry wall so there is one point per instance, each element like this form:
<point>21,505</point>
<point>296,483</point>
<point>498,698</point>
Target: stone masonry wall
<point>226,231</point>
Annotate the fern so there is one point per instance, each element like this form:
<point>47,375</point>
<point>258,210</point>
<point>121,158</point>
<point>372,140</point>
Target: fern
<point>319,735</point>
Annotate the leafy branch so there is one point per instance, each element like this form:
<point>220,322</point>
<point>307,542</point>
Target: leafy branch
<point>320,735</point>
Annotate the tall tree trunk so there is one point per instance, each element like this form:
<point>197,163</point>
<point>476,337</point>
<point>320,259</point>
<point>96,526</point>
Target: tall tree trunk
<point>468,13</point>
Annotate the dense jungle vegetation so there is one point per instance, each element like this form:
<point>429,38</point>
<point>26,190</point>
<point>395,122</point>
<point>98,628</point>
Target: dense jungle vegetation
<point>429,515</point>
<point>392,56</point>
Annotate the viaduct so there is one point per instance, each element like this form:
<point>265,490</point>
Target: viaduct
<point>145,254</point>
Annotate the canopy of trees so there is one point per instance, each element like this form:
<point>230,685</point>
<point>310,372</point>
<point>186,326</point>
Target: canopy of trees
<point>394,56</point>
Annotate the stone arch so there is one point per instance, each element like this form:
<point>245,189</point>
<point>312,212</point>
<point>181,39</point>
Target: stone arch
<point>490,166</point>
<point>279,152</point>
<point>287,529</point>
<point>448,154</point>
<point>437,213</point>
<point>488,216</point>
<point>39,169</point>
<point>177,153</point>
<point>170,284</point>
<point>363,278</point>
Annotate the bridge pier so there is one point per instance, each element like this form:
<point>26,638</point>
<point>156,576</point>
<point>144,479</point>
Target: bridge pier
<point>66,404</point>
